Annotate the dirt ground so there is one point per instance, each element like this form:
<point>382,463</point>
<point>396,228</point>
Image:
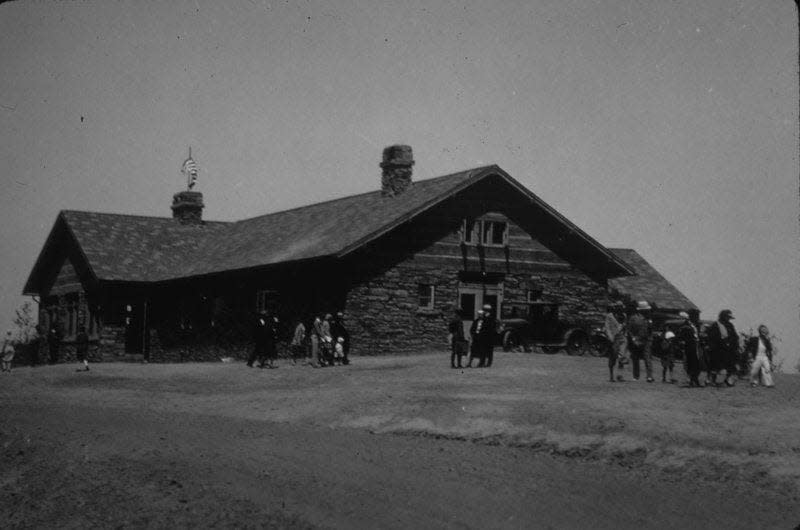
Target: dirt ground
<point>537,441</point>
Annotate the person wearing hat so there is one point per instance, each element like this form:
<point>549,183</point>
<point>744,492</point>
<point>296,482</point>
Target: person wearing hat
<point>640,340</point>
<point>760,350</point>
<point>689,342</point>
<point>327,344</point>
<point>486,336</point>
<point>667,351</point>
<point>614,329</point>
<point>474,344</point>
<point>316,341</point>
<point>723,343</point>
<point>7,352</point>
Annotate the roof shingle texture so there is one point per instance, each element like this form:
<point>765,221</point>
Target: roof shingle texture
<point>134,248</point>
<point>648,284</point>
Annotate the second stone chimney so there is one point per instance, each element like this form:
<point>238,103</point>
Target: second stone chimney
<point>187,207</point>
<point>396,166</point>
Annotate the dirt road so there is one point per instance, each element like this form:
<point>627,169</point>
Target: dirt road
<point>535,442</point>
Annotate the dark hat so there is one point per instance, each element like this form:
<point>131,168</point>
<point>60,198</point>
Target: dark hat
<point>726,313</point>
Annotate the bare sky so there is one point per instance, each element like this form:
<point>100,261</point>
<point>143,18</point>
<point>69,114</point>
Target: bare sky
<point>667,127</point>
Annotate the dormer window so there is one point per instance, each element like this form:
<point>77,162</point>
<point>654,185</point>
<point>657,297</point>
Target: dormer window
<point>488,233</point>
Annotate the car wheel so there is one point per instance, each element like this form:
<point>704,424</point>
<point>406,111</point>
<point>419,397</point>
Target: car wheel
<point>510,341</point>
<point>576,344</point>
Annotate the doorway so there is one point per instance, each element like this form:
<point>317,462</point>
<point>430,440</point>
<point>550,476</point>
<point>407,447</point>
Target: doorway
<point>472,297</point>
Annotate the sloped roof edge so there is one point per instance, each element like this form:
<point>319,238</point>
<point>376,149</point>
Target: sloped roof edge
<point>60,223</point>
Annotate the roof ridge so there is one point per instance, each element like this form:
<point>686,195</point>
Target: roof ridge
<point>138,216</point>
<point>453,174</point>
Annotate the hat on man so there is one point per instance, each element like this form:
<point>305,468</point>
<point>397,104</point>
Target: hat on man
<point>487,307</point>
<point>669,335</point>
<point>726,313</point>
<point>481,312</point>
<point>642,305</point>
<point>684,315</point>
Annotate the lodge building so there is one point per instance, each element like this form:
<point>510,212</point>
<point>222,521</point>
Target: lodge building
<point>397,261</point>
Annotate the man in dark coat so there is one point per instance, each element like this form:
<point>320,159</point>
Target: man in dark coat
<point>689,342</point>
<point>271,345</point>
<point>640,340</point>
<point>474,342</point>
<point>723,343</point>
<point>486,335</point>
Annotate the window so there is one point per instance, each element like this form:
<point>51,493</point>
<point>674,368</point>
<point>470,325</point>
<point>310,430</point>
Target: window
<point>425,293</point>
<point>534,294</point>
<point>72,315</point>
<point>94,319</point>
<point>490,233</point>
<point>470,231</point>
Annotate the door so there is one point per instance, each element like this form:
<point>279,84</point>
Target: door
<point>472,297</point>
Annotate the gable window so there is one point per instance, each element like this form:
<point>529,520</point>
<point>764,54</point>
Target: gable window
<point>494,233</point>
<point>425,293</point>
<point>489,233</point>
<point>470,231</point>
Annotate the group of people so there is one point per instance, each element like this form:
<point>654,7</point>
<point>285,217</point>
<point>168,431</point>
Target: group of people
<point>480,344</point>
<point>326,343</point>
<point>48,345</point>
<point>633,340</point>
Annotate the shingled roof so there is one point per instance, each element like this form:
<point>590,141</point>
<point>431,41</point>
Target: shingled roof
<point>648,284</point>
<point>152,249</point>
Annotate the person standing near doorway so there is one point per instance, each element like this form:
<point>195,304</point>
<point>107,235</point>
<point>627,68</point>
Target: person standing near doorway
<point>261,334</point>
<point>474,346</point>
<point>486,335</point>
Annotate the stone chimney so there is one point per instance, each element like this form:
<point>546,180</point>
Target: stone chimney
<point>187,207</point>
<point>396,165</point>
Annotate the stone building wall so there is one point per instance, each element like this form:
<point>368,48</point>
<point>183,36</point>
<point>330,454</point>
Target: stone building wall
<point>383,311</point>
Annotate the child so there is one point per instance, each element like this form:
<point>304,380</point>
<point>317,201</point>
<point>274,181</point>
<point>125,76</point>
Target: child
<point>338,354</point>
<point>667,357</point>
<point>7,353</point>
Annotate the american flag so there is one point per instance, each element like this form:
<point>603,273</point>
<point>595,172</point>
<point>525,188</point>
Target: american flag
<point>189,168</point>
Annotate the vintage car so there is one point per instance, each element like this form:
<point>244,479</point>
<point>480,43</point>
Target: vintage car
<point>538,324</point>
